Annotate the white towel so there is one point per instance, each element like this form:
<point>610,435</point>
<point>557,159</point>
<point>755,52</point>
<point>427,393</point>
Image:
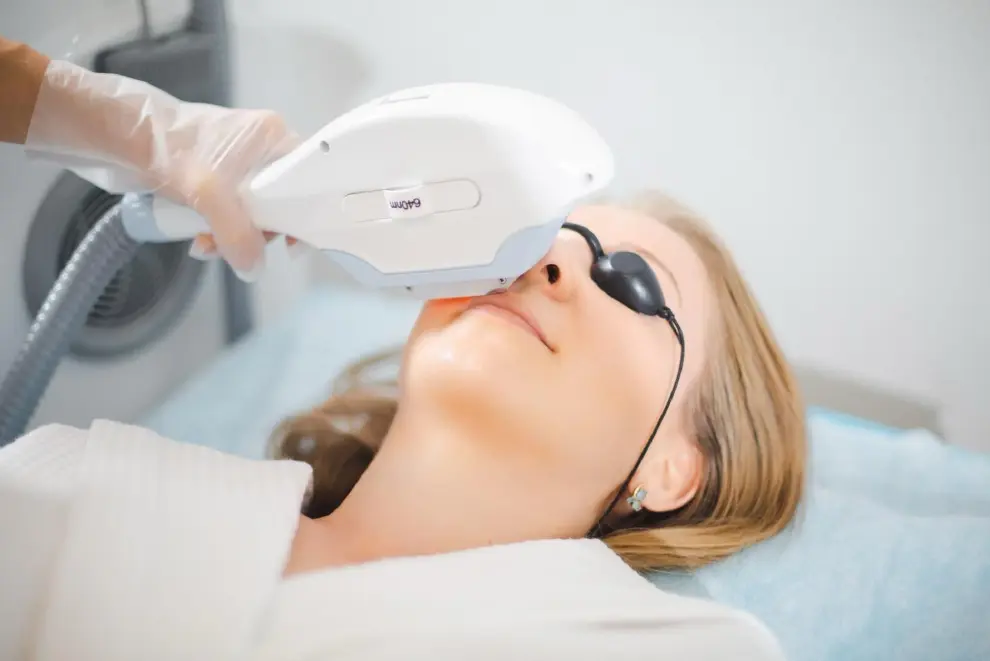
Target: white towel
<point>125,545</point>
<point>119,545</point>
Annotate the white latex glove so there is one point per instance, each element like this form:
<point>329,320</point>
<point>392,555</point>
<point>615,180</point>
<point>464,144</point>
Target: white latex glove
<point>127,136</point>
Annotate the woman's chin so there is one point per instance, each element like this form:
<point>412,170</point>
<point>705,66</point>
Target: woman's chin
<point>466,362</point>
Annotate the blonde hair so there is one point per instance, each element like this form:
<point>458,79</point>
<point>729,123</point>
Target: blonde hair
<point>745,407</point>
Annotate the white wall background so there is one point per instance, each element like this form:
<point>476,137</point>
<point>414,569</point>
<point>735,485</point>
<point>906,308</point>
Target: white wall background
<point>842,148</point>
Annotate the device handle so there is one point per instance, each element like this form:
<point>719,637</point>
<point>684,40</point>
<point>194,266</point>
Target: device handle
<point>175,221</point>
<point>154,219</point>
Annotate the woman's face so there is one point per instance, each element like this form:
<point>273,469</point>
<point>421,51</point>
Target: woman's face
<point>563,383</point>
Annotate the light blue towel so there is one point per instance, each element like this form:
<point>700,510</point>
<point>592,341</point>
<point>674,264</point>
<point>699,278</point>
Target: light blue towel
<point>912,471</point>
<point>890,559</point>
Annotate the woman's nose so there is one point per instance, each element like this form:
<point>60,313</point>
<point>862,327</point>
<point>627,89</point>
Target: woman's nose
<point>555,274</point>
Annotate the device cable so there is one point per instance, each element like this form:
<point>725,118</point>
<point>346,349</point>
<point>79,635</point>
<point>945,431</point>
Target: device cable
<point>106,248</point>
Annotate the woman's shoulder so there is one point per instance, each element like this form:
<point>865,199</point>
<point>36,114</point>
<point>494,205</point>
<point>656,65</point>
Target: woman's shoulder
<point>571,599</point>
<point>714,630</point>
<point>685,626</point>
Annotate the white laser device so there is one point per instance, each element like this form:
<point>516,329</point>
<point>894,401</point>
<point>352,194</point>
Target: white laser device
<point>443,191</point>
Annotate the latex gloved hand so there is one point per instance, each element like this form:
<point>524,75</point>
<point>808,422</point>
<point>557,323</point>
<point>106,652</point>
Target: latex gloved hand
<point>125,135</point>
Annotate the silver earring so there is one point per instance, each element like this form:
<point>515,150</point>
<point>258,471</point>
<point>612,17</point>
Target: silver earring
<point>636,499</point>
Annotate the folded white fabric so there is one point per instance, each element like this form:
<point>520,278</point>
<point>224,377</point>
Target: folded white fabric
<point>151,549</point>
<point>535,601</point>
<point>126,545</point>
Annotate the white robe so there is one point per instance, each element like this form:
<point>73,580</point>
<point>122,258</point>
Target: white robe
<point>117,544</point>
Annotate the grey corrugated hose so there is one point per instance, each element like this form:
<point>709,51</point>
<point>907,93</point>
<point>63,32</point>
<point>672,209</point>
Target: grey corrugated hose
<point>106,248</point>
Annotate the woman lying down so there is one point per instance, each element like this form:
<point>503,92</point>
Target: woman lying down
<point>497,505</point>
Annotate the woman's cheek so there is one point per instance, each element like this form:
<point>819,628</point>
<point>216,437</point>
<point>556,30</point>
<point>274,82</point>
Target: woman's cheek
<point>630,361</point>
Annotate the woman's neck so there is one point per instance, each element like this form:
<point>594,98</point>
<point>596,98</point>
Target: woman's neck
<point>436,487</point>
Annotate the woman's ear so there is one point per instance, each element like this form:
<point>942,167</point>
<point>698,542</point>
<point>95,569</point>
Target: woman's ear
<point>670,474</point>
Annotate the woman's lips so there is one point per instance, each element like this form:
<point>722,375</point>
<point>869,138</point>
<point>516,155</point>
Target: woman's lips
<point>499,306</point>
